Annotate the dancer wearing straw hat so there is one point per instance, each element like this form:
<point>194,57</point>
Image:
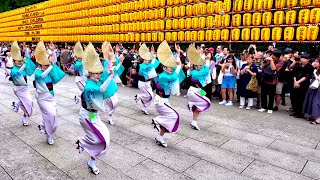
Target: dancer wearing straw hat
<point>46,75</point>
<point>146,73</point>
<point>79,71</point>
<point>97,137</point>
<point>20,70</point>
<point>200,77</point>
<point>109,96</point>
<point>168,120</point>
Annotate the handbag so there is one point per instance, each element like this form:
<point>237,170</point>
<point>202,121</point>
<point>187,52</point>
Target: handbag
<point>253,85</point>
<point>314,84</point>
<point>220,77</point>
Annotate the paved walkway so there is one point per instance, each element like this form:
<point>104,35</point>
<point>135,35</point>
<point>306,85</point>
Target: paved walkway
<point>232,144</point>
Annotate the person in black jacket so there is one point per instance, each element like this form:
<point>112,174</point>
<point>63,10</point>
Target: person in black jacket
<point>302,73</point>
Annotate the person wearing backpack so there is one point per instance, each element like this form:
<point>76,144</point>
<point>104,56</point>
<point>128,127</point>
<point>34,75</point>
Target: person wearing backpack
<point>270,68</point>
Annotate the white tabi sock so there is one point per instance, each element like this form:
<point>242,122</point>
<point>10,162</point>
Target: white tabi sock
<point>160,138</point>
<point>194,122</point>
<point>144,109</point>
<point>92,164</point>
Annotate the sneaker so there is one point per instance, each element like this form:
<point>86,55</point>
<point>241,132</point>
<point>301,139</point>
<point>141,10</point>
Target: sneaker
<point>229,103</point>
<point>269,111</point>
<point>223,102</point>
<point>178,94</point>
<point>161,142</point>
<point>136,98</point>
<point>262,110</point>
<point>111,122</point>
<point>15,107</point>
<point>156,125</point>
<point>145,112</point>
<point>275,108</point>
<point>24,121</point>
<point>93,168</point>
<point>195,125</point>
<point>241,107</point>
<point>248,107</point>
<point>50,141</point>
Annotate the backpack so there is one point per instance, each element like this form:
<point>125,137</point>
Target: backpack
<point>268,74</point>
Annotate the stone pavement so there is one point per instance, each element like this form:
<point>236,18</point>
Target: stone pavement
<point>232,143</point>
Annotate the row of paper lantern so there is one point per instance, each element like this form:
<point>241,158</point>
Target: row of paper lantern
<point>255,19</point>
<point>301,33</point>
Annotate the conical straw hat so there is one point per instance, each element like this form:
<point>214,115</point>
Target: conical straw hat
<point>144,52</point>
<point>91,60</point>
<point>41,54</point>
<point>15,51</point>
<point>78,50</point>
<point>165,55</point>
<point>194,56</point>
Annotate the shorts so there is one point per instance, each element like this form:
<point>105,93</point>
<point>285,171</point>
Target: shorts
<point>228,82</point>
<point>279,87</point>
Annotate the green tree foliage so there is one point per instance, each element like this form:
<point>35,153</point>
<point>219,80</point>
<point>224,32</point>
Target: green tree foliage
<point>6,5</point>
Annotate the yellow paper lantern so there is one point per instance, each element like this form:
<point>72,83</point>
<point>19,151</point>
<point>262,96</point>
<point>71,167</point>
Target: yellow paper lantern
<point>265,34</point>
<point>255,34</point>
<point>267,4</point>
<point>169,2</point>
<point>161,36</point>
<point>218,7</point>
<point>182,10</point>
<point>148,37</point>
<point>161,13</point>
<point>168,24</point>
<point>195,23</point>
<point>256,19</point>
<point>315,15</point>
<point>201,35</point>
<point>288,33</point>
<point>225,35</point>
<point>292,3</point>
<point>217,20</point>
<point>202,8</point>
<point>195,10</point>
<point>176,11</point>
<point>138,27</point>
<point>169,12</point>
<point>153,25</point>
<point>143,26</point>
<point>266,18</point>
<point>209,35</point>
<point>189,10</point>
<point>316,2</point>
<point>154,37</point>
<point>127,37</point>
<point>148,26</point>
<point>210,8</point>
<point>151,15</point>
<point>181,36</point>
<point>225,20</point>
<point>202,22</point>
<point>168,36</point>
<point>235,34</point>
<point>156,3</point>
<point>236,20</point>
<point>175,24</point>
<point>276,33</point>
<point>237,5</point>
<point>187,35</point>
<point>247,5</point>
<point>279,4</point>
<point>291,17</point>
<point>226,6</point>
<point>301,34</point>
<point>194,36</point>
<point>132,37</point>
<point>247,19</point>
<point>216,35</point>
<point>181,23</point>
<point>305,2</point>
<point>312,33</point>
<point>156,14</point>
<point>209,22</point>
<point>161,24</point>
<point>304,16</point>
<point>245,34</point>
<point>174,36</point>
<point>278,17</point>
<point>188,23</point>
<point>257,4</point>
<point>176,2</point>
<point>143,37</point>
